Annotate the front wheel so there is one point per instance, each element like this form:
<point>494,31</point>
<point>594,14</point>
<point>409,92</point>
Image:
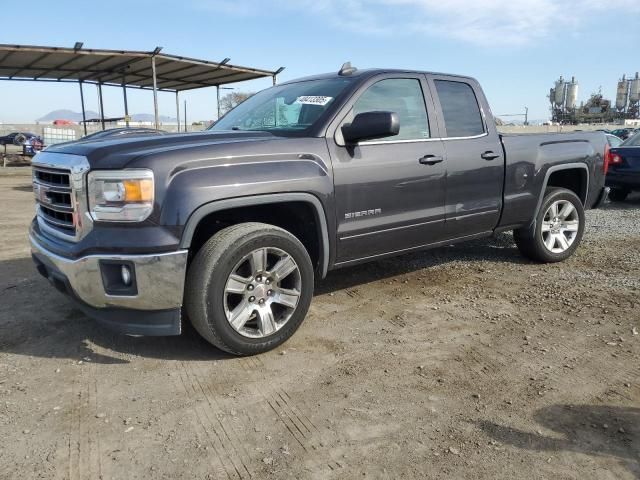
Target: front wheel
<point>249,288</point>
<point>558,228</point>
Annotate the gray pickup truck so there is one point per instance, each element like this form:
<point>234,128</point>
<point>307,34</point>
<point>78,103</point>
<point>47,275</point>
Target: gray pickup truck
<point>230,227</point>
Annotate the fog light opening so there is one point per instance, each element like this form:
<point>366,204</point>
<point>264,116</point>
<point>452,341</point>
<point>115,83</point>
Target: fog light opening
<point>125,273</point>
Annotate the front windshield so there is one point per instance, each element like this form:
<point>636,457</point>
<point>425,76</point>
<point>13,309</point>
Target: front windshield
<point>633,141</point>
<point>293,107</point>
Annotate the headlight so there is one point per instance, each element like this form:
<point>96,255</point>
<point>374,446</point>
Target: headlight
<point>120,195</point>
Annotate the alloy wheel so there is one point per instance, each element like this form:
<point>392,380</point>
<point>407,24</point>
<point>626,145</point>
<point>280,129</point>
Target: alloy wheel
<point>262,292</point>
<point>560,226</point>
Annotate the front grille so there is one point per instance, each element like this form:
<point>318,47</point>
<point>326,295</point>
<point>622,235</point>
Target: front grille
<point>51,177</point>
<point>54,198</point>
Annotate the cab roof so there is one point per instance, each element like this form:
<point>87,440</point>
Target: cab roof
<point>368,73</point>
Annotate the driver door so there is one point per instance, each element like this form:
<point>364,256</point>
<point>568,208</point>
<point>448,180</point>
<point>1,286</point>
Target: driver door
<point>389,193</point>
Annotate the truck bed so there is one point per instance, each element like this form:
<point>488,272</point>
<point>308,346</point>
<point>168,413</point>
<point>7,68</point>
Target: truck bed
<point>531,158</point>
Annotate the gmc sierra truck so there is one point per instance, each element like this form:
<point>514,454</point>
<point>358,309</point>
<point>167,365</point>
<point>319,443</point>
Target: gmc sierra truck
<point>231,227</point>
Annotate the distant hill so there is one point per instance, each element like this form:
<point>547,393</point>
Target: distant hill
<point>77,116</point>
<point>67,115</point>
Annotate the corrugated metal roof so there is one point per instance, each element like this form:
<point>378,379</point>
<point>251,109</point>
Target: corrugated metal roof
<point>118,67</point>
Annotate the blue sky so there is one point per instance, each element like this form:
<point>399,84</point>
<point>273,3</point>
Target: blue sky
<point>515,48</point>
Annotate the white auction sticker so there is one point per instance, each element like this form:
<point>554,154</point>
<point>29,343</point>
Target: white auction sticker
<point>314,100</point>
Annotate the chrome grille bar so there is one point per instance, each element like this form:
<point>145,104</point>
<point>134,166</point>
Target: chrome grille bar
<point>59,189</point>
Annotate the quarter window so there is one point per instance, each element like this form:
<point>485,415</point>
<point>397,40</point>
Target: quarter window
<point>460,109</point>
<point>402,96</point>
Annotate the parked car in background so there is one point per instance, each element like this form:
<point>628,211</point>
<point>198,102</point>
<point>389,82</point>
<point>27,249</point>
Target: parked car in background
<point>623,176</point>
<point>623,133</point>
<point>113,133</point>
<point>30,142</point>
<point>613,140</point>
<point>16,138</point>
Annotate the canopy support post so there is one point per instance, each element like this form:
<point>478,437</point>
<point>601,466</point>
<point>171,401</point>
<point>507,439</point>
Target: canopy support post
<point>84,115</point>
<point>178,110</point>
<point>274,77</point>
<point>101,105</point>
<point>155,92</point>
<point>218,100</point>
<point>126,104</point>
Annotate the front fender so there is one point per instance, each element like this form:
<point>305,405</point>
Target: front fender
<point>273,198</point>
<point>190,188</point>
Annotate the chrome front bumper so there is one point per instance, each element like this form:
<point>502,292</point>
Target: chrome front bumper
<point>160,278</point>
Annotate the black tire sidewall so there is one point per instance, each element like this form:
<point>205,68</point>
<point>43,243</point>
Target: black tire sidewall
<point>227,260</point>
<point>554,196</point>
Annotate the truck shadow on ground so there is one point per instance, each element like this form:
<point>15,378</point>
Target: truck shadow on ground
<point>23,188</point>
<point>587,429</point>
<point>631,203</point>
<point>495,249</point>
<point>36,320</point>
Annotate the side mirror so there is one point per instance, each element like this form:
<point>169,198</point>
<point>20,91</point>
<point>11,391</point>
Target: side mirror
<point>371,125</point>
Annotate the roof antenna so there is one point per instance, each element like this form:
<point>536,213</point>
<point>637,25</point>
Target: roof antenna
<point>347,69</point>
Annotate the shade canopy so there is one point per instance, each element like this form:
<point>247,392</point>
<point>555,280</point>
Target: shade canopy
<point>132,69</point>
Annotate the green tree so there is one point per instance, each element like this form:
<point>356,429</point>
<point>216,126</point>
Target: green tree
<point>232,100</point>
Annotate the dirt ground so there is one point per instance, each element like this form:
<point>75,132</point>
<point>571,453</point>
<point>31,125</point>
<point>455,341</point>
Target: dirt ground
<point>461,362</point>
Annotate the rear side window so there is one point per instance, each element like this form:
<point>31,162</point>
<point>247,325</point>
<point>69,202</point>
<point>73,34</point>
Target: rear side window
<point>403,96</point>
<point>460,108</point>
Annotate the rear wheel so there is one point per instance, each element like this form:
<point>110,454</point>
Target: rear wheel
<point>249,288</point>
<point>618,194</point>
<point>558,228</point>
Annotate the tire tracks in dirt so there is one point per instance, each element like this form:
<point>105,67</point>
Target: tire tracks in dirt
<point>229,460</point>
<point>85,453</point>
<point>311,441</point>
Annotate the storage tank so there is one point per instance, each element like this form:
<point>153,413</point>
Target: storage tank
<point>572,94</point>
<point>559,90</point>
<point>634,89</point>
<point>622,94</point>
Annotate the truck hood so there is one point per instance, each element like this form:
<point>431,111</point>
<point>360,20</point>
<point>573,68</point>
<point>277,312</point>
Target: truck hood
<point>132,152</point>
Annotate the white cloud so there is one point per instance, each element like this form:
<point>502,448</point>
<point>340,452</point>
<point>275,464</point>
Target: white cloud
<point>479,22</point>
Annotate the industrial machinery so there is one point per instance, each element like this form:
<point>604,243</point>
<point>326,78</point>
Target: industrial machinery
<point>563,97</point>
<point>565,110</point>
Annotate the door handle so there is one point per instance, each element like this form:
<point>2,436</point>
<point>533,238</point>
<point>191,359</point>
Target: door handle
<point>489,155</point>
<point>430,160</point>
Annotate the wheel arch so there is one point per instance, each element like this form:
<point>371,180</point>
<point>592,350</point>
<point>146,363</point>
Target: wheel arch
<point>201,214</point>
<point>560,176</point>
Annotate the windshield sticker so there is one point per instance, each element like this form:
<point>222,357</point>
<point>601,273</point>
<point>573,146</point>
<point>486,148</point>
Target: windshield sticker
<point>313,100</point>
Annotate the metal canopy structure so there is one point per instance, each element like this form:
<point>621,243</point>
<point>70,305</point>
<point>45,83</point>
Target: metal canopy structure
<point>151,70</point>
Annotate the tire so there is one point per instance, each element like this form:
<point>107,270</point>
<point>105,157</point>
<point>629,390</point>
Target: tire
<point>213,301</point>
<point>618,195</point>
<point>19,140</point>
<point>534,243</point>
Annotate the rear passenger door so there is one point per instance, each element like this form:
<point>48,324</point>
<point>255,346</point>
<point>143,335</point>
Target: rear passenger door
<point>475,162</point>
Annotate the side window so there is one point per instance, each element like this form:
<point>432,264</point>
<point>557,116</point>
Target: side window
<point>460,108</point>
<point>403,96</point>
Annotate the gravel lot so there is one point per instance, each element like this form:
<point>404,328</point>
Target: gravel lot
<point>462,362</point>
